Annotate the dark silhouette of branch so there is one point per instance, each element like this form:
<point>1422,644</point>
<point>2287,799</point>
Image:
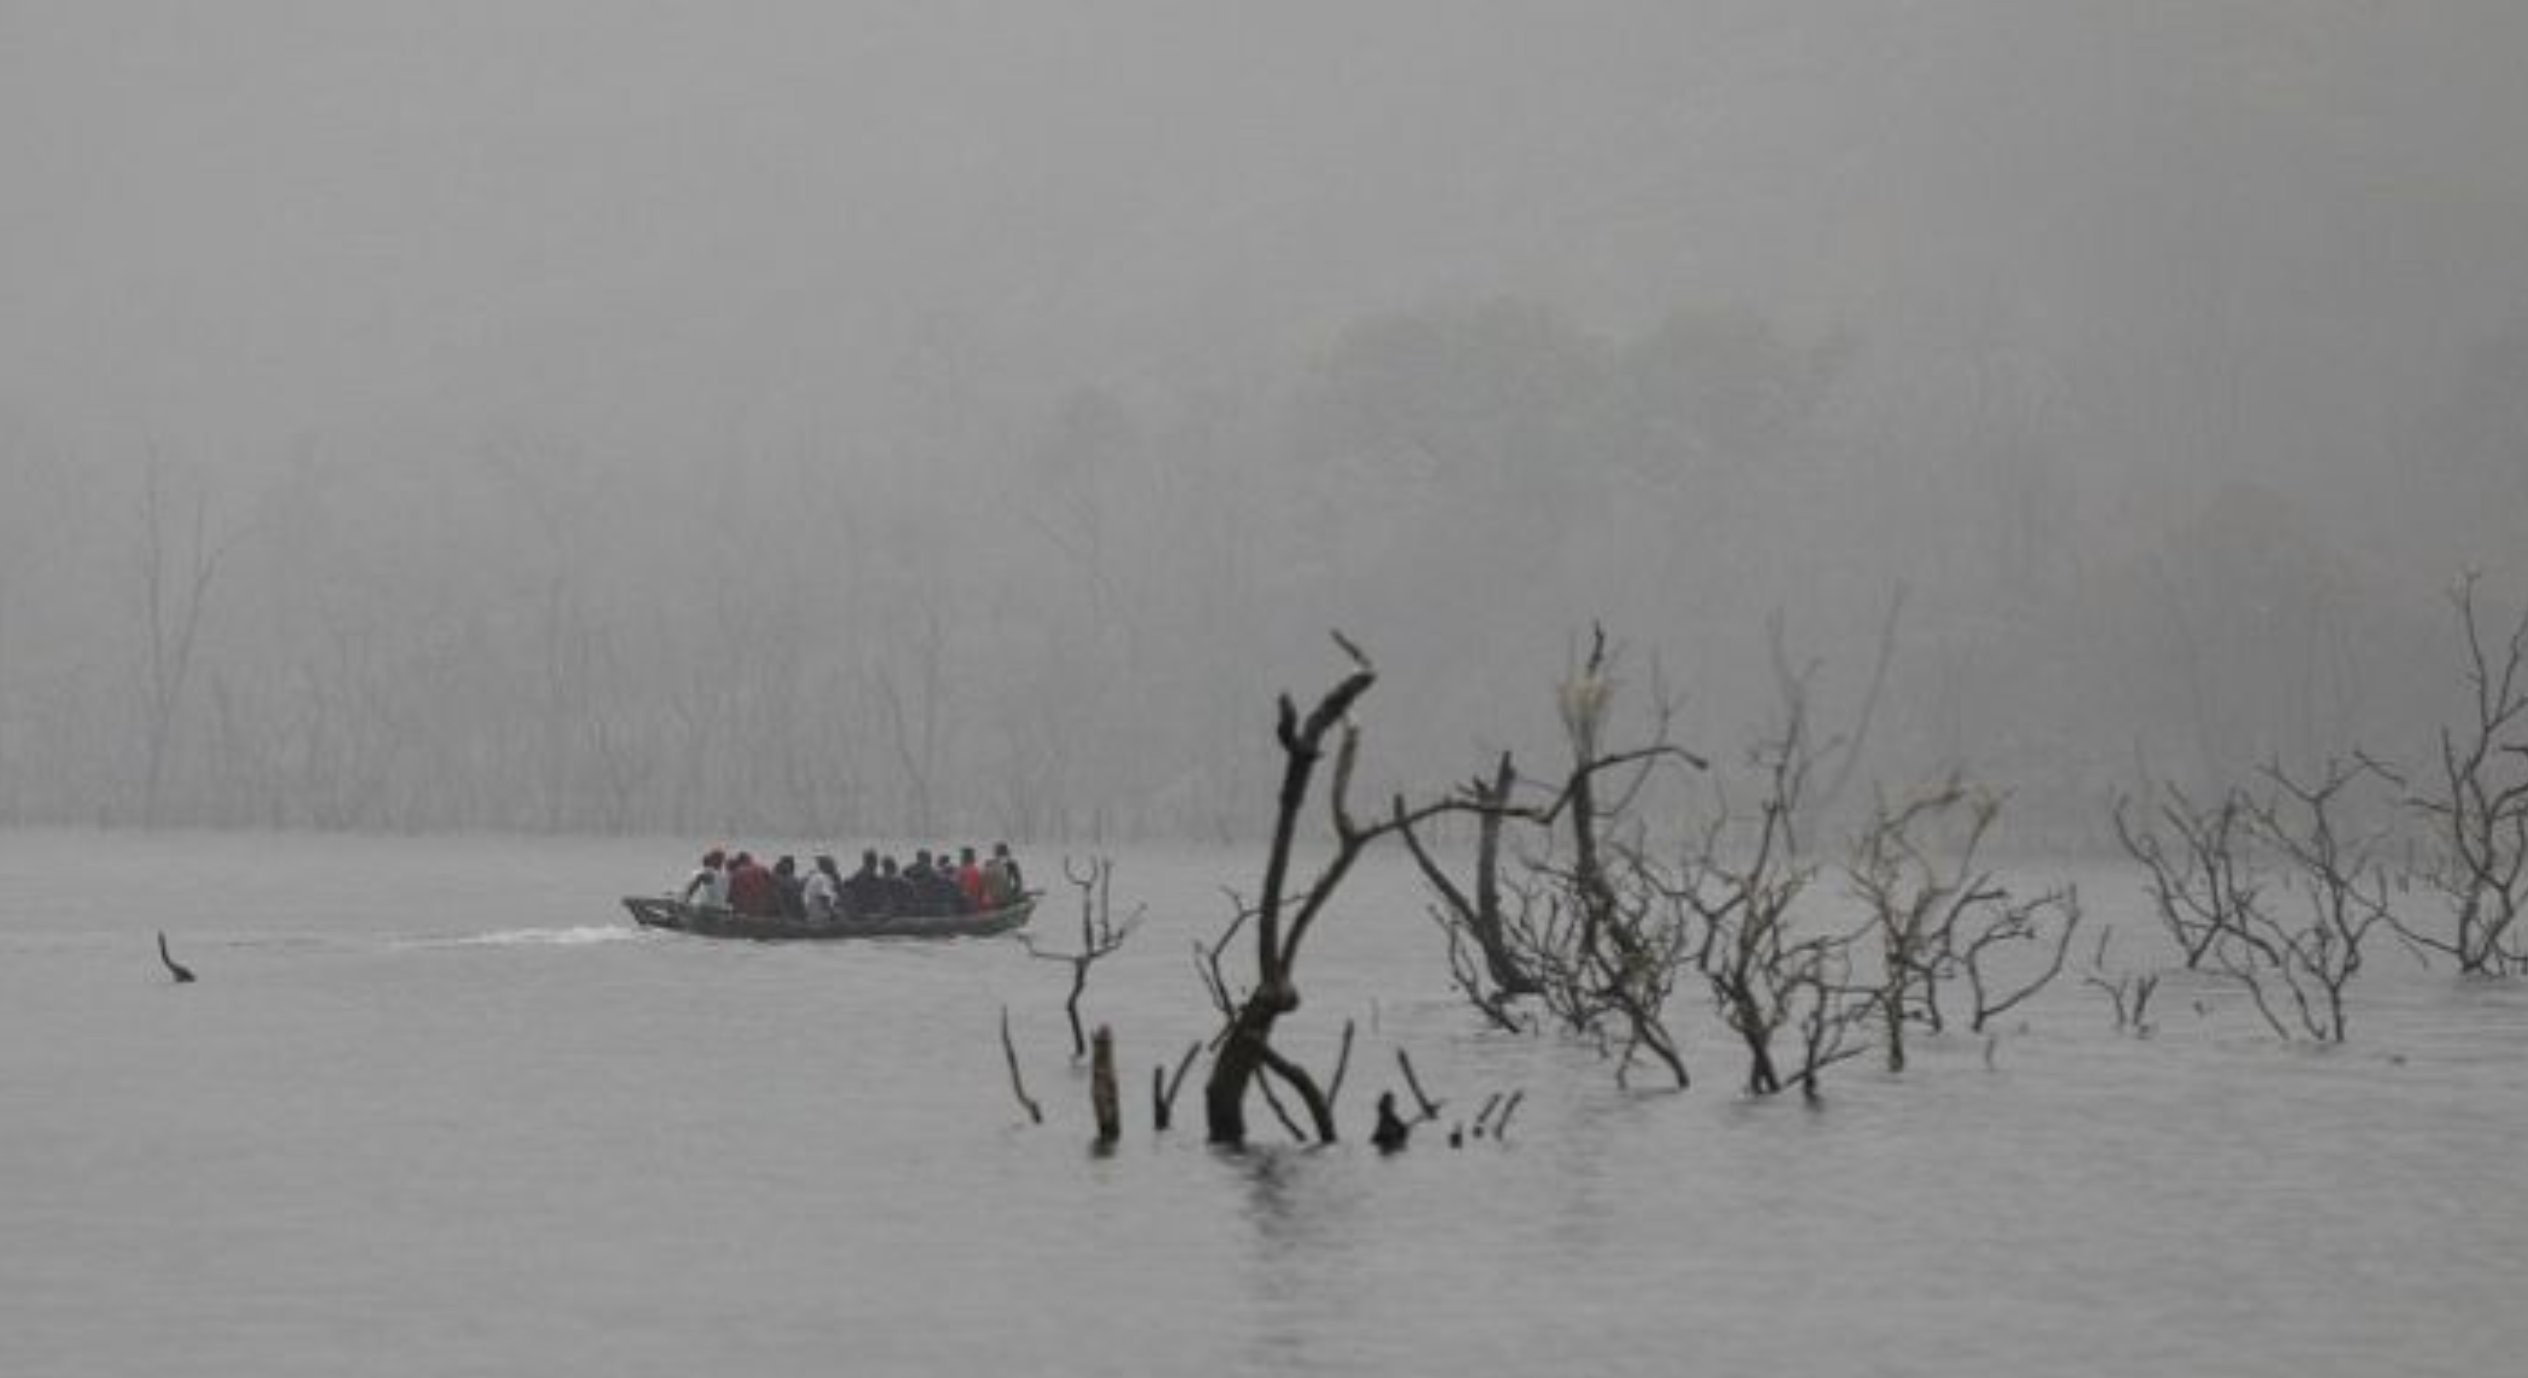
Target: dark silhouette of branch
<point>178,970</point>
<point>1428,1108</point>
<point>1018,1084</point>
<point>2129,993</point>
<point>1342,1064</point>
<point>1163,1088</point>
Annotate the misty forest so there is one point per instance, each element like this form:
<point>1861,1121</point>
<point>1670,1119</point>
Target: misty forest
<point>749,439</point>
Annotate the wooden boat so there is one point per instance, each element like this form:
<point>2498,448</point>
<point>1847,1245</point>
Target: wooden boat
<point>660,911</point>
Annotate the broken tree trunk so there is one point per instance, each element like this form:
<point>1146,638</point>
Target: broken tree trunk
<point>1103,1099</point>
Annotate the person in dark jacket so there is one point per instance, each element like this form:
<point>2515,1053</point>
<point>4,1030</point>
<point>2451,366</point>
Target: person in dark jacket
<point>792,891</point>
<point>936,893</point>
<point>920,896</point>
<point>895,893</point>
<point>864,891</point>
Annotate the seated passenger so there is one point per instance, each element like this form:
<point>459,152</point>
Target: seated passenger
<point>895,893</point>
<point>752,889</point>
<point>921,892</point>
<point>792,891</point>
<point>823,893</point>
<point>864,891</point>
<point>944,897</point>
<point>970,881</point>
<point>708,886</point>
<point>1017,880</point>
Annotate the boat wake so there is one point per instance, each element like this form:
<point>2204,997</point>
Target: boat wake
<point>579,936</point>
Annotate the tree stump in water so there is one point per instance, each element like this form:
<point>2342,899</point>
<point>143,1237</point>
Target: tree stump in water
<point>1392,1131</point>
<point>1103,1098</point>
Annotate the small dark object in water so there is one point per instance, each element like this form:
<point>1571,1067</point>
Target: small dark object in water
<point>174,968</point>
<point>1392,1131</point>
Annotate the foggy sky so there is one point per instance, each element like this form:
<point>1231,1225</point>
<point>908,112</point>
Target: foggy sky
<point>2116,258</point>
<point>255,219</point>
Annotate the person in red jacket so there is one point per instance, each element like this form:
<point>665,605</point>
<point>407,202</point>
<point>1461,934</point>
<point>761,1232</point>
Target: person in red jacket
<point>753,890</point>
<point>970,881</point>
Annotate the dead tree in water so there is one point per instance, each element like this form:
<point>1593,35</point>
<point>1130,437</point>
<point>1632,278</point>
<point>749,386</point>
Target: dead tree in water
<point>1939,914</point>
<point>1740,878</point>
<point>2129,992</point>
<point>2013,921</point>
<point>1630,943</point>
<point>1749,866</point>
<point>1592,934</point>
<point>1285,909</point>
<point>2316,958</point>
<point>2476,804</point>
<point>1018,1084</point>
<point>1914,902</point>
<point>2206,886</point>
<point>1476,918</point>
<point>2215,898</point>
<point>1163,1088</point>
<point>1100,936</point>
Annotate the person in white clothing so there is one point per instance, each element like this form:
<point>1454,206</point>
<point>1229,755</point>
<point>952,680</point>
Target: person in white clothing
<point>708,886</point>
<point>825,890</point>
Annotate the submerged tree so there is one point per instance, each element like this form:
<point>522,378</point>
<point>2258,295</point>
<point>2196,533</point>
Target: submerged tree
<point>1100,936</point>
<point>1741,878</point>
<point>2309,961</point>
<point>1589,924</point>
<point>1287,906</point>
<point>1940,914</point>
<point>1472,915</point>
<point>2475,803</point>
<point>1598,924</point>
<point>2225,896</point>
<point>1631,939</point>
<point>2204,884</point>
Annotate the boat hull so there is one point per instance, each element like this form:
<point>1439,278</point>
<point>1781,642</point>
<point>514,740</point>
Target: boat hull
<point>660,912</point>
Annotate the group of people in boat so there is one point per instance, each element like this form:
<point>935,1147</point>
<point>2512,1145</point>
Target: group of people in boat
<point>925,887</point>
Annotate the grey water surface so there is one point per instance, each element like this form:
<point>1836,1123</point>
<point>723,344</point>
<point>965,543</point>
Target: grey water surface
<point>435,1107</point>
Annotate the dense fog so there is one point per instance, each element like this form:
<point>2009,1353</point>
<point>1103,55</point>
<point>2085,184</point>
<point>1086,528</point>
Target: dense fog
<point>914,418</point>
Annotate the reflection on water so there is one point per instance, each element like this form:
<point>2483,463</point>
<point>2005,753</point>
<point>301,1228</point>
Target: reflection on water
<point>1300,1208</point>
<point>433,1108</point>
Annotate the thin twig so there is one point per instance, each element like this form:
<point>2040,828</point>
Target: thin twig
<point>1430,1108</point>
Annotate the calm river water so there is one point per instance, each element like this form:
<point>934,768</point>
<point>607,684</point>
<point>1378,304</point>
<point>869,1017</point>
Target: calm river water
<point>435,1108</point>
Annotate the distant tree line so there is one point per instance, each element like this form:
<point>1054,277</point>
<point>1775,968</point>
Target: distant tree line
<point>1039,615</point>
